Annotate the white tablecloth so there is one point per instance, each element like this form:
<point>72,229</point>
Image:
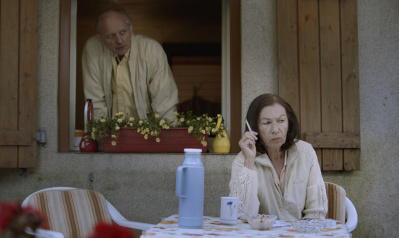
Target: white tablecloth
<point>213,228</point>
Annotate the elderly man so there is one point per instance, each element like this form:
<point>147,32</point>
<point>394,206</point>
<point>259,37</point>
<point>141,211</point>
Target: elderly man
<point>128,73</point>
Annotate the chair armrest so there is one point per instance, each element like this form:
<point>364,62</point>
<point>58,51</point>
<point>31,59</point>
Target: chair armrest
<point>44,233</point>
<point>135,225</point>
<point>120,220</point>
<point>351,215</point>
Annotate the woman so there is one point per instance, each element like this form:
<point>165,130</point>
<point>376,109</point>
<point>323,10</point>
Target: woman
<point>276,173</point>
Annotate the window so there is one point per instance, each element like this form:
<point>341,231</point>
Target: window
<point>230,50</point>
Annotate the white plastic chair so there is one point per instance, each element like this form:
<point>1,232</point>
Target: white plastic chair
<point>351,215</point>
<point>340,207</point>
<point>115,216</point>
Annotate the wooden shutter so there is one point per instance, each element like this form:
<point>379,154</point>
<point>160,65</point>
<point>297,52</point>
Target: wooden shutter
<point>318,76</point>
<point>18,56</point>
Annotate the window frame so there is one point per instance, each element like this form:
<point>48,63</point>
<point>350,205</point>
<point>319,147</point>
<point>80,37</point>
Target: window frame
<point>64,82</point>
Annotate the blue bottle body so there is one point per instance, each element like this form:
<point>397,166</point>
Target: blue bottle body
<point>190,189</point>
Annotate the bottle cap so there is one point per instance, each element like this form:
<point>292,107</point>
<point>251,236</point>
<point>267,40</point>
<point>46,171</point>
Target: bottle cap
<point>192,150</point>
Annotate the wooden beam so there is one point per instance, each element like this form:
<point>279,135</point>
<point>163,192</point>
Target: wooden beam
<point>335,140</point>
<point>350,78</point>
<point>288,69</point>
<point>28,80</point>
<point>235,75</point>
<point>330,79</point>
<point>16,138</point>
<point>9,43</point>
<point>64,74</point>
<point>309,68</point>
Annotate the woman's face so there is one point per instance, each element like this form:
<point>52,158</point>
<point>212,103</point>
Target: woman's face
<point>273,126</point>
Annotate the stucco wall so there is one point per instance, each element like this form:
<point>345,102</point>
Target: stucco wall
<point>141,186</point>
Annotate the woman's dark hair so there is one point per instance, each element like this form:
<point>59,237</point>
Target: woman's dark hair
<point>253,113</point>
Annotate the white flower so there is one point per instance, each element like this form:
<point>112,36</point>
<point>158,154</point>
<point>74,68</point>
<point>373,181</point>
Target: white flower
<point>162,122</point>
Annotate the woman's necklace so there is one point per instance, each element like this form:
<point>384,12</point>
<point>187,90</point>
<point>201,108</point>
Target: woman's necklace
<point>278,164</point>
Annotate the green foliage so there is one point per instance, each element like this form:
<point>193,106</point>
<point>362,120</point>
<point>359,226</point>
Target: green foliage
<point>199,126</point>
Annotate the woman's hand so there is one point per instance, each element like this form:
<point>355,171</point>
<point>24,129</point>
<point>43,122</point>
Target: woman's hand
<point>248,148</point>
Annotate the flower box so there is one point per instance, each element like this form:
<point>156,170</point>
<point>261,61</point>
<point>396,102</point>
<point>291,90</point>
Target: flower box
<point>172,140</point>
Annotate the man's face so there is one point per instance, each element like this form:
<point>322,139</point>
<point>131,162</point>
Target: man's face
<point>115,33</point>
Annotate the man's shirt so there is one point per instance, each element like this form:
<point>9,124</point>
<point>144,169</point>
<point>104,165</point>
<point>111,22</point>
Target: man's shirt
<point>122,88</point>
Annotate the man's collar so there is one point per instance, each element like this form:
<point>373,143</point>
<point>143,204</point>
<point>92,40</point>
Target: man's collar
<point>125,55</point>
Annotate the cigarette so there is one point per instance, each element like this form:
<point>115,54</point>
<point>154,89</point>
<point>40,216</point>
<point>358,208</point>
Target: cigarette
<point>248,125</point>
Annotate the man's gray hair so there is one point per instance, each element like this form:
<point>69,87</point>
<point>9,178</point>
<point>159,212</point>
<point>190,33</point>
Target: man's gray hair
<point>104,14</point>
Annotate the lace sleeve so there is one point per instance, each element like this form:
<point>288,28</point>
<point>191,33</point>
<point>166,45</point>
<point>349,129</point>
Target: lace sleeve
<point>244,185</point>
<point>316,205</point>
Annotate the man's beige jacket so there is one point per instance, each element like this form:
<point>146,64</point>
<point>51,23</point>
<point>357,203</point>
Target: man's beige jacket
<point>154,87</point>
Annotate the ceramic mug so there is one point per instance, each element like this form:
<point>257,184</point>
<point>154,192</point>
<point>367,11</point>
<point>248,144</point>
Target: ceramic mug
<point>229,210</point>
